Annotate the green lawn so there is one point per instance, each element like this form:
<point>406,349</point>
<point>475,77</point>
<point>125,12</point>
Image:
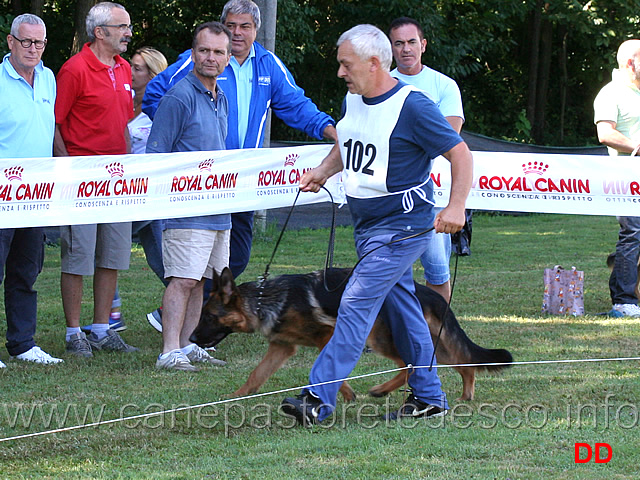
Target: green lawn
<point>523,424</point>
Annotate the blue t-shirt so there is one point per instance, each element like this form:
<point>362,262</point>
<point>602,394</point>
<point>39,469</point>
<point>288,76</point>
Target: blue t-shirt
<point>190,119</point>
<point>27,119</point>
<point>387,145</point>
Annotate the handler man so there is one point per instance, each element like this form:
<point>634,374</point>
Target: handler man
<point>388,129</point>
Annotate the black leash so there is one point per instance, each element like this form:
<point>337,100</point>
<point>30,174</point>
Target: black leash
<point>332,237</point>
<point>265,275</point>
<point>329,263</point>
<point>446,312</point>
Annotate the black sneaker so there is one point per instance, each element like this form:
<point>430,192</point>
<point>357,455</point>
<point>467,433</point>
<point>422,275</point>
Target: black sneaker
<point>416,408</point>
<point>305,408</point>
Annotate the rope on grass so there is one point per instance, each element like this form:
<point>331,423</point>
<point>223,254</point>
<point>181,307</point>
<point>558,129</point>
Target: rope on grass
<point>284,390</point>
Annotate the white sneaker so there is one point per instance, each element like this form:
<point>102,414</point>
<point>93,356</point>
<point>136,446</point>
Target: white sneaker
<point>37,355</point>
<point>2,365</point>
<point>627,309</point>
<point>175,360</point>
<point>198,354</point>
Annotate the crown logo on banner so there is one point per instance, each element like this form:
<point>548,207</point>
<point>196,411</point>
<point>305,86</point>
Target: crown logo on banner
<point>534,167</point>
<point>291,160</point>
<point>206,165</point>
<point>13,173</point>
<point>115,169</point>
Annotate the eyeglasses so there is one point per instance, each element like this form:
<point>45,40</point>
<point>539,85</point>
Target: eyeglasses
<point>26,42</point>
<point>122,27</point>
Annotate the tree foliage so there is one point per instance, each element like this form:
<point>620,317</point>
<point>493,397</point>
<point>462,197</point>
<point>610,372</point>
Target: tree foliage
<point>528,69</point>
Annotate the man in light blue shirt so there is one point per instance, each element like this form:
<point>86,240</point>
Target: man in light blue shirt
<point>244,88</point>
<point>617,119</point>
<point>27,125</point>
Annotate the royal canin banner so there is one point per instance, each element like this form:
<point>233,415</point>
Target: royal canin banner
<point>548,183</point>
<point>118,188</point>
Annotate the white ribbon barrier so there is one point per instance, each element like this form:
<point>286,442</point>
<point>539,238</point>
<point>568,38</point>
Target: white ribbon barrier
<point>120,188</point>
<point>99,189</point>
<point>548,183</point>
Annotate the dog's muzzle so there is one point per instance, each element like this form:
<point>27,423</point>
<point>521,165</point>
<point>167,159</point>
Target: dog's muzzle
<point>209,339</point>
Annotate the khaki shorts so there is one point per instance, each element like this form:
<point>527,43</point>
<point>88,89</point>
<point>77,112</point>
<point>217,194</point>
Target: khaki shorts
<point>192,253</point>
<point>105,245</point>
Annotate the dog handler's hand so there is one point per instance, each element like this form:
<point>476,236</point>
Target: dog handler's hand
<point>312,180</point>
<point>315,178</point>
<point>449,220</point>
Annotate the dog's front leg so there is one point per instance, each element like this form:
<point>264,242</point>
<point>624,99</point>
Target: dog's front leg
<point>277,354</point>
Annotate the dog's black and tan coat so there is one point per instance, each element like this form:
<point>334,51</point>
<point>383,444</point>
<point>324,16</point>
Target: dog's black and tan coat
<point>292,310</point>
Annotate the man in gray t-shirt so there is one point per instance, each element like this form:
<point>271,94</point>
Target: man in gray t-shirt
<point>192,116</point>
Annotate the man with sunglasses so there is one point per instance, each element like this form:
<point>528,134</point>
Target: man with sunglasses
<point>92,109</point>
<point>26,131</point>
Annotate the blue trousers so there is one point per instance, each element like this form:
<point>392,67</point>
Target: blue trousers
<point>385,274</point>
<point>623,279</point>
<point>150,235</point>
<point>239,247</point>
<point>241,238</point>
<point>21,260</point>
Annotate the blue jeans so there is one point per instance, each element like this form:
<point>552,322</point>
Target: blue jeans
<point>623,279</point>
<point>435,259</point>
<point>385,274</point>
<point>22,256</point>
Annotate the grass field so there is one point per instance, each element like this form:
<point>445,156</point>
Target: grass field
<point>523,424</point>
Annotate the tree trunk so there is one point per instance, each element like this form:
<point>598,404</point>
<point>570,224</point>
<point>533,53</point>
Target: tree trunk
<point>16,7</point>
<point>564,81</point>
<point>80,36</point>
<point>542,89</point>
<point>534,35</point>
<point>37,7</point>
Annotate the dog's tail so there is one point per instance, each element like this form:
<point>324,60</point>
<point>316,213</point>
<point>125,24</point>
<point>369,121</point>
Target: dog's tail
<point>458,348</point>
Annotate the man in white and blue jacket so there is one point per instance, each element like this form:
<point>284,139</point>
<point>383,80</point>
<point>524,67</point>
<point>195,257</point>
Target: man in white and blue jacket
<point>254,81</point>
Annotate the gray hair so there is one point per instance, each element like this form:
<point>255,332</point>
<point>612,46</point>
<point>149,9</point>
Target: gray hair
<point>369,41</point>
<point>26,18</point>
<point>240,7</point>
<point>100,14</point>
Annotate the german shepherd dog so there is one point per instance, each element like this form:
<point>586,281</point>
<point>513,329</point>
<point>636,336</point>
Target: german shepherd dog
<point>292,310</point>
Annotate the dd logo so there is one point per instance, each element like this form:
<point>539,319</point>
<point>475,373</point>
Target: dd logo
<point>595,453</point>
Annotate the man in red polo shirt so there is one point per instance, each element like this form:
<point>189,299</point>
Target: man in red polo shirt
<point>93,105</point>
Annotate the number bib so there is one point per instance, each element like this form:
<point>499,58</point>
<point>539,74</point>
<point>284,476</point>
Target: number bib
<point>364,134</point>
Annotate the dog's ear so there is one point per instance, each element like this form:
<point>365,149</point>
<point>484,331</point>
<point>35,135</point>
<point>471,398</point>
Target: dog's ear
<point>215,281</point>
<point>226,285</point>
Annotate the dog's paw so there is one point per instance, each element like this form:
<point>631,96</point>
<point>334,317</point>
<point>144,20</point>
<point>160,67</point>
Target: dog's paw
<point>347,392</point>
<point>378,392</point>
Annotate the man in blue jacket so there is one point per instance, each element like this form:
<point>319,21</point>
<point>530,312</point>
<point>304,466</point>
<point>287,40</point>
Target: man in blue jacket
<point>254,81</point>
